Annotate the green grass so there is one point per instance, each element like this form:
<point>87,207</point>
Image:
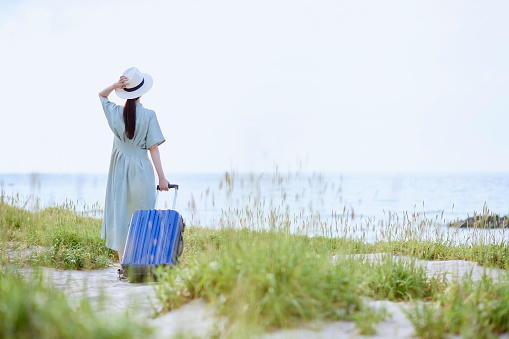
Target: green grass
<point>401,280</point>
<point>466,308</point>
<point>55,236</point>
<point>493,254</point>
<point>366,319</point>
<point>264,269</point>
<point>262,276</point>
<point>30,309</point>
<point>265,280</point>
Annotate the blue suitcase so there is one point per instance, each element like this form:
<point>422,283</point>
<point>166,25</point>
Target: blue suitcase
<point>155,238</point>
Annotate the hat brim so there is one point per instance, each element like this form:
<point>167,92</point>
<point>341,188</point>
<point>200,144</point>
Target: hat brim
<point>147,85</point>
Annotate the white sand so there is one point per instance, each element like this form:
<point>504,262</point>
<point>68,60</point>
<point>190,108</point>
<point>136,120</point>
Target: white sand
<point>195,318</point>
<point>453,269</point>
<point>138,301</point>
<point>396,325</point>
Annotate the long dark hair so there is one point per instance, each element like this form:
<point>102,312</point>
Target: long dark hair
<point>130,117</point>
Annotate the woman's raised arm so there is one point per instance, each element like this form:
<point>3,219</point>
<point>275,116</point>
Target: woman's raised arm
<point>121,83</point>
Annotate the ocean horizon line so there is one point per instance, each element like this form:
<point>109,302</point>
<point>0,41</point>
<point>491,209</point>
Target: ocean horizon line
<point>279,171</point>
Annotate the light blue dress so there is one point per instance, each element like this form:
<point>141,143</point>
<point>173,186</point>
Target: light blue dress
<point>131,181</point>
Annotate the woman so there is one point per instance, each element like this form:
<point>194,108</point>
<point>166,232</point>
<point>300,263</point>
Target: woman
<point>131,177</point>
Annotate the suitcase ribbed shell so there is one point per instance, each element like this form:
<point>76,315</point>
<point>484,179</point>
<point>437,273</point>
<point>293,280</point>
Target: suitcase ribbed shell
<point>152,240</point>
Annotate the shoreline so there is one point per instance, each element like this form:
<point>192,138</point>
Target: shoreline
<point>203,196</point>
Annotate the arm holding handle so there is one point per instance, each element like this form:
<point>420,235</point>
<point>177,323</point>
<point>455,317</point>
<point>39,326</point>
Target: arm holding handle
<point>156,159</point>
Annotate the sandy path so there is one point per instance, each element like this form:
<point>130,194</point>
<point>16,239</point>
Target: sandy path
<point>138,301</point>
<point>396,325</point>
<point>109,295</point>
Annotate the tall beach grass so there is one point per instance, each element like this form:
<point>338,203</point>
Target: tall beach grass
<point>265,265</point>
<point>54,236</point>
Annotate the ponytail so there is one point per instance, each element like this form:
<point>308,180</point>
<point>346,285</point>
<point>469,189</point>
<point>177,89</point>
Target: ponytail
<point>130,117</point>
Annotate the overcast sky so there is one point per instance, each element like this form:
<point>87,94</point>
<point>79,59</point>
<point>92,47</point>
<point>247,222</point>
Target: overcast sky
<point>248,85</point>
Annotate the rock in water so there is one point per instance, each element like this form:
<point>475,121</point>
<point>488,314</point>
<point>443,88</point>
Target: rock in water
<point>482,221</point>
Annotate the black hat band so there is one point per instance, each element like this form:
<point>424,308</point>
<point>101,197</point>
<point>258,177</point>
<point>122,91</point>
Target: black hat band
<point>135,88</point>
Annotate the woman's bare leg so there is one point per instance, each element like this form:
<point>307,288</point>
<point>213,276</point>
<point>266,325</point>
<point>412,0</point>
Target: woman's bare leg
<point>120,275</point>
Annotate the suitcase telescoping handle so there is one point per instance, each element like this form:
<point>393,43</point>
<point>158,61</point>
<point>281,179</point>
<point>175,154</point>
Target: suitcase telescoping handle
<point>176,187</point>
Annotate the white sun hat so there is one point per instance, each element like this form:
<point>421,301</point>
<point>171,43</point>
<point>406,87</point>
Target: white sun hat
<point>139,84</point>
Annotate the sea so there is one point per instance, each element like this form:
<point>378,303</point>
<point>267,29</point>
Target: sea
<point>205,199</point>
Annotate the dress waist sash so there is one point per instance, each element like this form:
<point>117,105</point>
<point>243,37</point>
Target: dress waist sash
<point>129,149</point>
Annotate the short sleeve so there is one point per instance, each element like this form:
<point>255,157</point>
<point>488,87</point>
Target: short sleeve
<point>109,109</point>
<point>154,134</point>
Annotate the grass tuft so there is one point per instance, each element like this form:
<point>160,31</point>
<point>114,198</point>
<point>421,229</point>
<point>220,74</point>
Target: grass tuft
<point>467,308</point>
<point>55,237</point>
<point>402,280</point>
<point>268,279</point>
<point>29,309</point>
